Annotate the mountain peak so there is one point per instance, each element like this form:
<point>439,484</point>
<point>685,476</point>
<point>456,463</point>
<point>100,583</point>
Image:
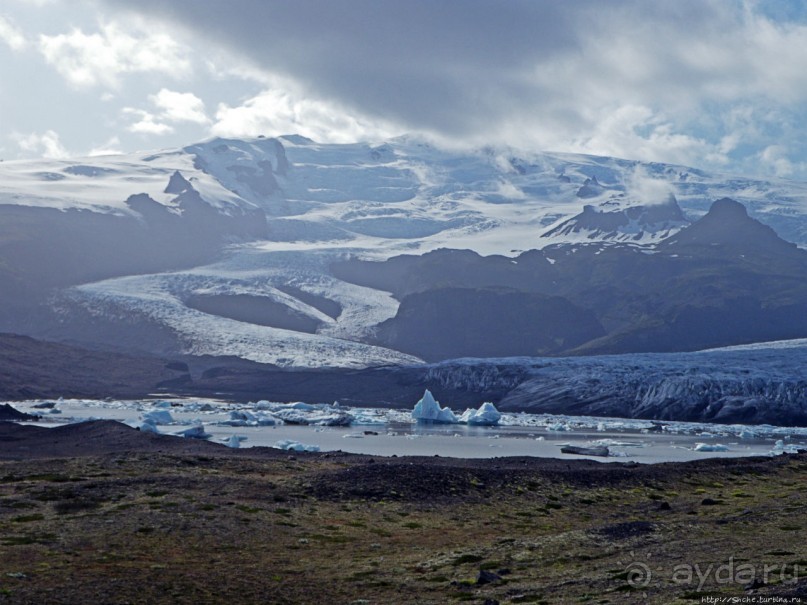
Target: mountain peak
<point>177,184</point>
<point>727,207</point>
<point>616,221</point>
<point>728,227</point>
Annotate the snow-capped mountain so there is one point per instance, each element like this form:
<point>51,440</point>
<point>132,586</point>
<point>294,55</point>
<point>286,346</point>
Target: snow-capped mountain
<point>227,247</point>
<point>621,221</point>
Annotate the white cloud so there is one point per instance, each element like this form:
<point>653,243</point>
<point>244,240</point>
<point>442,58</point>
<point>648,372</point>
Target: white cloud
<point>146,122</point>
<point>275,112</point>
<point>171,108</point>
<point>633,131</point>
<point>101,58</point>
<point>776,160</point>
<point>646,189</point>
<point>180,106</point>
<point>11,35</point>
<point>47,144</point>
<point>111,147</point>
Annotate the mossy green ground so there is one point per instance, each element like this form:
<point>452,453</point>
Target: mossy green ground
<point>143,528</point>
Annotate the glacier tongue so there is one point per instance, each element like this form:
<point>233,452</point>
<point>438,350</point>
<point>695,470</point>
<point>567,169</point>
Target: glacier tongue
<point>756,384</point>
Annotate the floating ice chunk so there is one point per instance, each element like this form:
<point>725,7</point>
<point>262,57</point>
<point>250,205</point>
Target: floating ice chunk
<point>710,447</point>
<point>195,432</point>
<point>305,417</point>
<point>599,450</point>
<point>234,441</point>
<point>247,418</point>
<point>353,436</point>
<point>486,415</point>
<point>615,443</point>
<point>296,446</point>
<point>746,433</point>
<point>199,407</point>
<point>145,427</point>
<point>427,410</point>
<point>365,416</point>
<point>780,448</point>
<point>158,417</point>
<point>241,418</point>
<point>558,426</point>
<point>163,405</point>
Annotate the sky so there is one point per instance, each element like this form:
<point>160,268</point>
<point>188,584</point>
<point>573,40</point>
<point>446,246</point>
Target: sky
<point>714,84</point>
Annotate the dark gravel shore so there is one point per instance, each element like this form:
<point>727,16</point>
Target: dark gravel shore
<point>99,512</point>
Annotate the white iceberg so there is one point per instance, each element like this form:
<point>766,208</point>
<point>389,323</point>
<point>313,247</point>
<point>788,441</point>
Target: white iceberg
<point>195,432</point>
<point>241,418</point>
<point>427,410</point>
<point>145,427</point>
<point>780,448</point>
<point>247,418</point>
<point>234,441</point>
<point>296,446</point>
<point>305,417</point>
<point>486,415</point>
<point>710,447</point>
<point>156,417</point>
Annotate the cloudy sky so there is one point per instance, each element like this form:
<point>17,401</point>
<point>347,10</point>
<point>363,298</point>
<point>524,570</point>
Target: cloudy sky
<point>715,84</point>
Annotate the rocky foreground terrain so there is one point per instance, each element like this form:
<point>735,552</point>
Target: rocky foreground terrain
<point>101,513</point>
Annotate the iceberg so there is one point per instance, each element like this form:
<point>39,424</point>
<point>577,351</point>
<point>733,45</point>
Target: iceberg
<point>486,415</point>
<point>296,446</point>
<point>710,447</point>
<point>247,418</point>
<point>427,410</point>
<point>158,417</point>
<point>145,427</point>
<point>195,432</point>
<point>297,416</point>
<point>780,448</point>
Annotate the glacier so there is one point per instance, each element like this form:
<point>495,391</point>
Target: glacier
<point>326,202</point>
<point>760,383</point>
<point>323,203</point>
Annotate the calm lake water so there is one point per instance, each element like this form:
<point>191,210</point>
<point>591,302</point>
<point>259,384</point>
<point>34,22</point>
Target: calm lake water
<point>392,432</point>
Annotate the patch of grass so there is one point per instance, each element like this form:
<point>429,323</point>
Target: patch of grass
<point>28,518</point>
<point>27,539</point>
<point>248,509</point>
<point>332,539</point>
<point>467,558</point>
<point>22,504</point>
